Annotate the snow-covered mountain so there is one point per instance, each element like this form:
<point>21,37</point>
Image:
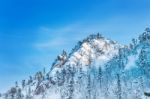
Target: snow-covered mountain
<point>96,68</point>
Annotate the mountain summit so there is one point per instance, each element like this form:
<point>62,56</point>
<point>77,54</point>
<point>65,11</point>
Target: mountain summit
<point>96,68</point>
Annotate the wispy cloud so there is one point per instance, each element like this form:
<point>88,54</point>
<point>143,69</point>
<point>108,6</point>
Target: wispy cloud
<point>53,43</point>
<point>57,37</point>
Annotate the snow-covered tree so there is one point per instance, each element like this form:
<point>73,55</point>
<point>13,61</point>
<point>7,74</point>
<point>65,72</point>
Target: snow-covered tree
<point>119,93</point>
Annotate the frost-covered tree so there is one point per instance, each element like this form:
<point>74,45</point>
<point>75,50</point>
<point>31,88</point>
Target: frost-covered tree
<point>119,93</point>
<point>100,77</point>
<point>88,87</point>
<point>71,86</point>
<point>80,79</point>
<point>29,96</point>
<point>6,96</point>
<point>23,83</point>
<point>134,42</point>
<point>142,61</point>
<point>16,84</point>
<point>12,92</point>
<point>145,37</point>
<point>19,94</point>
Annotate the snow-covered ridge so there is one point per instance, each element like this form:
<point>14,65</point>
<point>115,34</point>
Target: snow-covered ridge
<point>97,68</point>
<point>94,47</point>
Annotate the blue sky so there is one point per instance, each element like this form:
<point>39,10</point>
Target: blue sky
<point>34,32</point>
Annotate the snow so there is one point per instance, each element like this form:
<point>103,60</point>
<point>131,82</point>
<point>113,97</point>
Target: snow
<point>132,62</point>
<point>52,95</point>
<point>84,74</point>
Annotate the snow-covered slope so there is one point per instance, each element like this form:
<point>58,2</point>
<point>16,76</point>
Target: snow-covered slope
<point>94,49</point>
<point>97,68</point>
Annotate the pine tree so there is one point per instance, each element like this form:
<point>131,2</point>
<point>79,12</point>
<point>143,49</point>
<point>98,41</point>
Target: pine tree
<point>29,93</point>
<point>131,46</point>
<point>47,77</point>
<point>6,96</point>
<point>89,87</point>
<point>145,37</point>
<point>141,83</point>
<point>119,87</point>
<point>19,94</point>
<point>107,73</point>
<point>142,61</point>
<point>80,79</point>
<point>23,83</point>
<point>44,71</point>
<point>134,42</point>
<point>16,84</point>
<point>13,92</point>
<point>71,86</point>
<point>100,77</point>
<point>30,80</point>
<point>120,60</point>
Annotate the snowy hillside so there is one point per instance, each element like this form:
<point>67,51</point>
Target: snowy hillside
<point>96,68</point>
